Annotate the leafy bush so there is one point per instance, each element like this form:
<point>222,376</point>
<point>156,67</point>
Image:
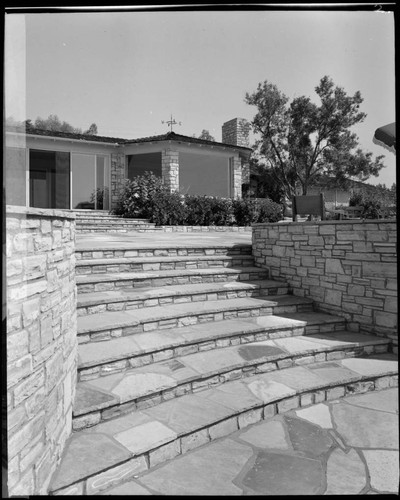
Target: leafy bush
<point>247,212</point>
<point>146,197</point>
<point>209,211</point>
<point>169,209</point>
<point>381,204</point>
<point>138,196</point>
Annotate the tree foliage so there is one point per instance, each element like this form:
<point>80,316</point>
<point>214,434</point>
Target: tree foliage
<point>301,141</point>
<point>52,123</point>
<point>206,136</point>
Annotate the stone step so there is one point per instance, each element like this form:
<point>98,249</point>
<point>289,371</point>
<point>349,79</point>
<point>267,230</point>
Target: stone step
<point>110,395</point>
<point>117,229</point>
<point>113,451</point>
<point>82,251</point>
<point>110,220</point>
<point>109,325</point>
<point>121,300</point>
<point>122,353</point>
<point>159,263</point>
<point>97,282</point>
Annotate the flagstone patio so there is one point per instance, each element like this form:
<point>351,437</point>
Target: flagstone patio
<point>343,447</point>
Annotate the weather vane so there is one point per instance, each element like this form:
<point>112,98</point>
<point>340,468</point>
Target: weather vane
<point>171,122</point>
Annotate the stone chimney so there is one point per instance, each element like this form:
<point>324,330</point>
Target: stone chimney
<point>236,132</point>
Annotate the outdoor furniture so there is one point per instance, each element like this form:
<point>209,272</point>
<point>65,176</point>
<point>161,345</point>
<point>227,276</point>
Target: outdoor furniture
<point>309,205</point>
<point>348,212</point>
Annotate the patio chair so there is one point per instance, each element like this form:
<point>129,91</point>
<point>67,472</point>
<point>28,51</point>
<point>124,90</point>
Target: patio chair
<point>313,204</point>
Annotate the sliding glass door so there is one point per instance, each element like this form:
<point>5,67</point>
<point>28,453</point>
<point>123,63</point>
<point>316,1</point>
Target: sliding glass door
<point>90,181</point>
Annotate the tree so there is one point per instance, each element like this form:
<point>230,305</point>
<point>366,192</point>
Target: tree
<point>299,141</point>
<point>92,130</point>
<point>52,123</point>
<point>206,136</point>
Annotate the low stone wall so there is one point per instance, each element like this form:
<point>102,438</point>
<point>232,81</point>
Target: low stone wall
<point>41,343</point>
<point>205,229</point>
<point>348,268</point>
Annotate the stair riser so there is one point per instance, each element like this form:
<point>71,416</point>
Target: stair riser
<point>164,252</point>
<point>180,299</point>
<point>109,334</point>
<point>116,230</point>
<point>109,221</point>
<point>194,386</point>
<point>171,280</point>
<point>176,322</point>
<point>150,357</point>
<point>162,266</point>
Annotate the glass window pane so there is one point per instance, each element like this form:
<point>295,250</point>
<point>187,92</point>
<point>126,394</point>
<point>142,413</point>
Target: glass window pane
<point>15,176</point>
<point>61,181</point>
<point>102,183</point>
<point>146,162</point>
<point>83,181</point>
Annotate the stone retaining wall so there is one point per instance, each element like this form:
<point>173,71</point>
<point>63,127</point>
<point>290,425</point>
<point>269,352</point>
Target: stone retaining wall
<point>348,268</point>
<point>41,343</point>
<point>205,229</point>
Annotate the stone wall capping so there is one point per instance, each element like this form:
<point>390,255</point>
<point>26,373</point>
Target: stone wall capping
<point>40,212</point>
<point>325,222</point>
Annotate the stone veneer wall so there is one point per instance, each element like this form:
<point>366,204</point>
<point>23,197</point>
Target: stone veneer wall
<point>41,343</point>
<point>348,268</point>
<point>170,169</point>
<point>237,178</point>
<point>118,176</point>
<point>236,132</point>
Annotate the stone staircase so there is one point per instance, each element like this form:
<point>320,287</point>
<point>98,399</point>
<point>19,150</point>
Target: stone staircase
<point>100,221</point>
<point>182,345</point>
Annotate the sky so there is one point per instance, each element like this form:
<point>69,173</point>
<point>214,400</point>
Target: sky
<point>130,71</point>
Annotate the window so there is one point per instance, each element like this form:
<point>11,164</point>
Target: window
<point>49,179</point>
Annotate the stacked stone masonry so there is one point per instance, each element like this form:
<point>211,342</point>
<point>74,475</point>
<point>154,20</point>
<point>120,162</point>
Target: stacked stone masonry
<point>348,268</point>
<point>170,169</point>
<point>41,343</point>
<point>118,176</point>
<point>236,132</point>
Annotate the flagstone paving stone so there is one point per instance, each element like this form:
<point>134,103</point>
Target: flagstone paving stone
<point>308,437</point>
<point>268,434</point>
<point>376,400</point>
<point>345,474</point>
<point>317,414</point>
<point>383,466</point>
<point>364,427</point>
<point>87,453</point>
<point>204,472</point>
<point>145,436</point>
<point>279,474</point>
<point>369,366</point>
<point>331,371</point>
<point>235,395</point>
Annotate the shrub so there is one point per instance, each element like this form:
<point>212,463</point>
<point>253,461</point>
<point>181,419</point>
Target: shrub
<point>380,204</point>
<point>146,197</point>
<point>209,211</point>
<point>168,209</point>
<point>138,196</point>
<point>249,212</point>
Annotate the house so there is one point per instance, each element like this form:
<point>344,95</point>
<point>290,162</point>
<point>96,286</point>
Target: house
<point>46,169</point>
<point>339,196</point>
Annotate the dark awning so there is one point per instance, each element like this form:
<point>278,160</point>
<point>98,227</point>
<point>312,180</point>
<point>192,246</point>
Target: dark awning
<point>386,136</point>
